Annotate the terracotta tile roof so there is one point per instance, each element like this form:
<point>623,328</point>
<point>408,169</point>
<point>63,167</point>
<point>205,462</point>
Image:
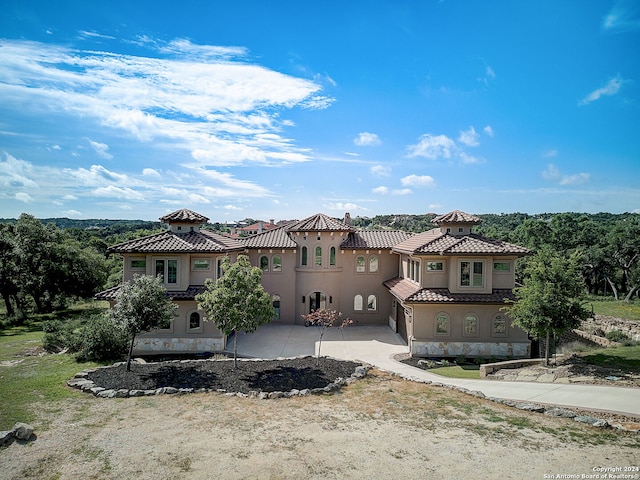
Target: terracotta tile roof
<point>276,238</point>
<point>410,292</point>
<point>434,242</point>
<point>375,239</point>
<point>188,294</point>
<point>170,242</point>
<point>319,223</point>
<point>456,216</point>
<point>184,215</point>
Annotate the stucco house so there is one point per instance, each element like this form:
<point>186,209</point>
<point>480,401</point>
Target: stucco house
<point>442,290</point>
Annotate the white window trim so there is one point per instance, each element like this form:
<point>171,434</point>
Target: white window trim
<point>434,261</point>
<point>472,261</point>
<point>193,263</point>
<point>166,270</point>
<point>502,272</point>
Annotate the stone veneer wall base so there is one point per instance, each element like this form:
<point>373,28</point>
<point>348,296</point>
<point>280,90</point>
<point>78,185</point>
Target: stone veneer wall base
<point>178,345</point>
<point>470,349</point>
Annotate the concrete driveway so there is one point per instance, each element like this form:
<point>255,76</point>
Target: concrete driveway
<point>361,342</point>
<point>376,345</point>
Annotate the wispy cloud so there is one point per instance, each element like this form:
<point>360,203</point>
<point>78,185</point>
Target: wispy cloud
<point>380,171</point>
<point>381,190</point>
<point>552,174</point>
<point>343,206</point>
<point>432,147</point>
<point>470,137</point>
<point>102,149</point>
<point>210,102</point>
<point>623,17</point>
<point>611,88</point>
<point>366,139</point>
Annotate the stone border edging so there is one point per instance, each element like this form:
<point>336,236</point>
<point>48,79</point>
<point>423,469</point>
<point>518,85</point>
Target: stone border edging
<point>550,410</point>
<point>81,382</point>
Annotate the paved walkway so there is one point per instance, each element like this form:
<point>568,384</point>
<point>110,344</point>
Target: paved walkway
<point>377,345</point>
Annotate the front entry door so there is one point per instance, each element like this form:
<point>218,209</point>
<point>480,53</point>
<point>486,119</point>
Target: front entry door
<point>317,300</point>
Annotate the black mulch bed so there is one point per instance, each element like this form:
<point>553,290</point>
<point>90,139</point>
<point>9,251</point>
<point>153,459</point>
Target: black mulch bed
<point>263,375</point>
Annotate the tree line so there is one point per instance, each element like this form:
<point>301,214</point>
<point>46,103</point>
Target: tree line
<point>607,245</point>
<point>44,267</point>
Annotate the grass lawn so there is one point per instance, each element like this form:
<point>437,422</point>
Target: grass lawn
<point>614,308</point>
<point>625,358</point>
<point>27,376</point>
<point>458,371</point>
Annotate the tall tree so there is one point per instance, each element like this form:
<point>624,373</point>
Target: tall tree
<point>237,301</point>
<point>142,305</point>
<point>550,302</point>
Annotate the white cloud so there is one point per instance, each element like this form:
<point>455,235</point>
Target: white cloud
<point>623,17</point>
<point>380,171</point>
<point>70,197</point>
<point>381,190</point>
<point>150,172</point>
<point>23,197</point>
<point>117,192</point>
<point>469,159</point>
<point>232,208</point>
<point>611,88</point>
<point>403,191</point>
<point>550,153</point>
<point>488,130</point>
<point>341,206</point>
<point>16,173</point>
<point>470,137</point>
<point>418,181</point>
<point>72,213</point>
<point>204,99</point>
<point>366,139</point>
<point>552,174</point>
<point>102,149</point>
<point>432,146</point>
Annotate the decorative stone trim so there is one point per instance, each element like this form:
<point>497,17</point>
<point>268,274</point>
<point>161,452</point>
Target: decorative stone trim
<point>469,349</point>
<point>81,382</point>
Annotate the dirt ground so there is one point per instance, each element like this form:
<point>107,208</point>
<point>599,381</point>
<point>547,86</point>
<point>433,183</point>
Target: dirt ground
<point>381,427</point>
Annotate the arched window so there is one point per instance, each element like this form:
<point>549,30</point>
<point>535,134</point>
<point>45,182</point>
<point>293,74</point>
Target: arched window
<point>275,299</point>
<point>318,257</point>
<point>470,325</point>
<point>194,321</point>
<point>264,263</point>
<point>303,259</point>
<point>372,303</point>
<point>332,256</point>
<point>373,264</point>
<point>442,324</point>
<point>276,263</point>
<point>360,264</point>
<point>357,303</point>
<point>499,326</point>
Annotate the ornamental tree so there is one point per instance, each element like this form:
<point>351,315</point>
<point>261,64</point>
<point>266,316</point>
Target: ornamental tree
<point>324,318</point>
<point>236,301</point>
<point>551,300</point>
<point>141,306</point>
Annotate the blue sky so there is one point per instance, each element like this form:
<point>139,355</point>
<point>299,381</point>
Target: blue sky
<point>279,110</point>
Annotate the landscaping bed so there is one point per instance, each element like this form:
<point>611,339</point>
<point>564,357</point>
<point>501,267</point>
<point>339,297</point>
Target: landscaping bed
<point>220,375</point>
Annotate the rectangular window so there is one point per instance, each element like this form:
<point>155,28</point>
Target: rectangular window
<point>471,274</point>
<point>138,264</point>
<point>276,265</point>
<point>201,264</point>
<point>501,267</point>
<point>167,270</point>
<point>442,324</point>
<point>435,266</point>
<point>499,326</point>
<point>360,264</point>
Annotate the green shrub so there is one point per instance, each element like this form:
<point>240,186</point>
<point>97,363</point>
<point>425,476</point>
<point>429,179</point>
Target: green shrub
<point>102,339</point>
<point>59,335</point>
<point>616,336</point>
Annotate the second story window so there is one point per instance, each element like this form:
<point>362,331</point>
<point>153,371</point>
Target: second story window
<point>264,263</point>
<point>167,269</point>
<point>276,265</point>
<point>471,273</point>
<point>318,257</point>
<point>303,256</point>
<point>332,256</point>
<point>360,264</point>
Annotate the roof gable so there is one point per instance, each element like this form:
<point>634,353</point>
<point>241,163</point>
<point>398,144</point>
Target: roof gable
<point>203,241</point>
<point>184,215</point>
<point>319,223</point>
